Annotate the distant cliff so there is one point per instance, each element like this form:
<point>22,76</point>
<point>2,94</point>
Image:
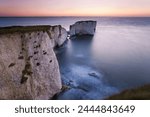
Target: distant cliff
<point>83,28</point>
<point>28,65</point>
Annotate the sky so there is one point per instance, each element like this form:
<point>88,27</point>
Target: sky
<point>74,7</point>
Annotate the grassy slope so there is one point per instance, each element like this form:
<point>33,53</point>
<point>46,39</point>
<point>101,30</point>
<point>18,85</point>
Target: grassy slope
<point>140,93</point>
<point>23,29</point>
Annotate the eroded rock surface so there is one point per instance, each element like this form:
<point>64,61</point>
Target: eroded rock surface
<point>28,65</point>
<point>58,35</point>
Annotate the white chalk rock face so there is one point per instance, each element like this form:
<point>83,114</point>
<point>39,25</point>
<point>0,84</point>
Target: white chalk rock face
<point>58,35</point>
<point>83,28</point>
<point>28,66</point>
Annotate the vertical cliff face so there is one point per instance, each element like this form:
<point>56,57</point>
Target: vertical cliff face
<point>83,28</point>
<point>28,65</point>
<point>57,35</point>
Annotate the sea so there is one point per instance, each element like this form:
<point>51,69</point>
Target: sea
<point>95,67</point>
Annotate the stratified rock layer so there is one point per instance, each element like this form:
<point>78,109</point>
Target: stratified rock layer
<point>28,65</point>
<point>83,28</point>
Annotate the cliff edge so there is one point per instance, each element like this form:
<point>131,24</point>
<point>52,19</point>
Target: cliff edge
<point>28,65</point>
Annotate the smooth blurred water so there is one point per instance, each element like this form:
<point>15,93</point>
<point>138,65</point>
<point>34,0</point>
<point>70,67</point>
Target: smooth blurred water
<point>115,58</point>
<point>66,21</point>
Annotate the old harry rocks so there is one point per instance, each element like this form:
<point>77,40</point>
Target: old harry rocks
<point>83,28</point>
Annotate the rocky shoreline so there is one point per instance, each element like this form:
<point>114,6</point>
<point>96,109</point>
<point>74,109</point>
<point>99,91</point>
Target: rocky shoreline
<point>29,68</point>
<point>28,65</point>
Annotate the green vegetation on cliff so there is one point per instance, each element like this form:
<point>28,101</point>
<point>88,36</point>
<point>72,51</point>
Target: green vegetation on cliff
<point>140,93</point>
<point>23,29</point>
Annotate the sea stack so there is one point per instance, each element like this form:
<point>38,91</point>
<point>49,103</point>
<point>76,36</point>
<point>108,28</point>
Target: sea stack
<point>28,65</point>
<point>83,28</point>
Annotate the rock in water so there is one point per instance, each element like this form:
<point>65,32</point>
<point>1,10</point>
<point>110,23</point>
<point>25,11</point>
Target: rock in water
<point>28,65</point>
<point>83,28</point>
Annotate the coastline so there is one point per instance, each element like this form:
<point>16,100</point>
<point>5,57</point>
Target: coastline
<point>44,28</point>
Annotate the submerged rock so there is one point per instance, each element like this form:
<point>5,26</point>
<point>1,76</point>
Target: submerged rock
<point>93,74</point>
<point>83,28</point>
<point>28,65</point>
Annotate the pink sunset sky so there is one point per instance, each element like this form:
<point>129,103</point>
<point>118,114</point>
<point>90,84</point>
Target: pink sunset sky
<point>74,7</point>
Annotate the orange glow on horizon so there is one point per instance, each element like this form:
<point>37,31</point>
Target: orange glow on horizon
<point>75,8</point>
<point>103,13</point>
<point>106,12</point>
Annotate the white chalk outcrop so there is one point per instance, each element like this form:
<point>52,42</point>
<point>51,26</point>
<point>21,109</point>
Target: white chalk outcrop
<point>58,35</point>
<point>28,65</point>
<point>83,28</point>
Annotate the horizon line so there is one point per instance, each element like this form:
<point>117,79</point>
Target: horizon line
<point>83,16</point>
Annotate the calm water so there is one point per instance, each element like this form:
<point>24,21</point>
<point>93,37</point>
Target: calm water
<point>115,58</point>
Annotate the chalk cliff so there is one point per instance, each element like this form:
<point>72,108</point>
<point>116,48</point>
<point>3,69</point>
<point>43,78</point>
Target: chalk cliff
<point>83,28</point>
<point>58,35</point>
<point>28,65</point>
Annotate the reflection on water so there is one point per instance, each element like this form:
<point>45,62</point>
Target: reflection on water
<point>114,59</point>
<point>123,54</point>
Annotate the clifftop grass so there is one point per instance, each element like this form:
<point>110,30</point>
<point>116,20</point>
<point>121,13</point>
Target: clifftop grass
<point>140,93</point>
<point>23,29</point>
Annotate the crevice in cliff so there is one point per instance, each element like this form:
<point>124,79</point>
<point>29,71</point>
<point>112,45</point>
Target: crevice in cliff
<point>26,73</point>
<point>49,34</point>
<point>12,64</point>
<point>59,31</point>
